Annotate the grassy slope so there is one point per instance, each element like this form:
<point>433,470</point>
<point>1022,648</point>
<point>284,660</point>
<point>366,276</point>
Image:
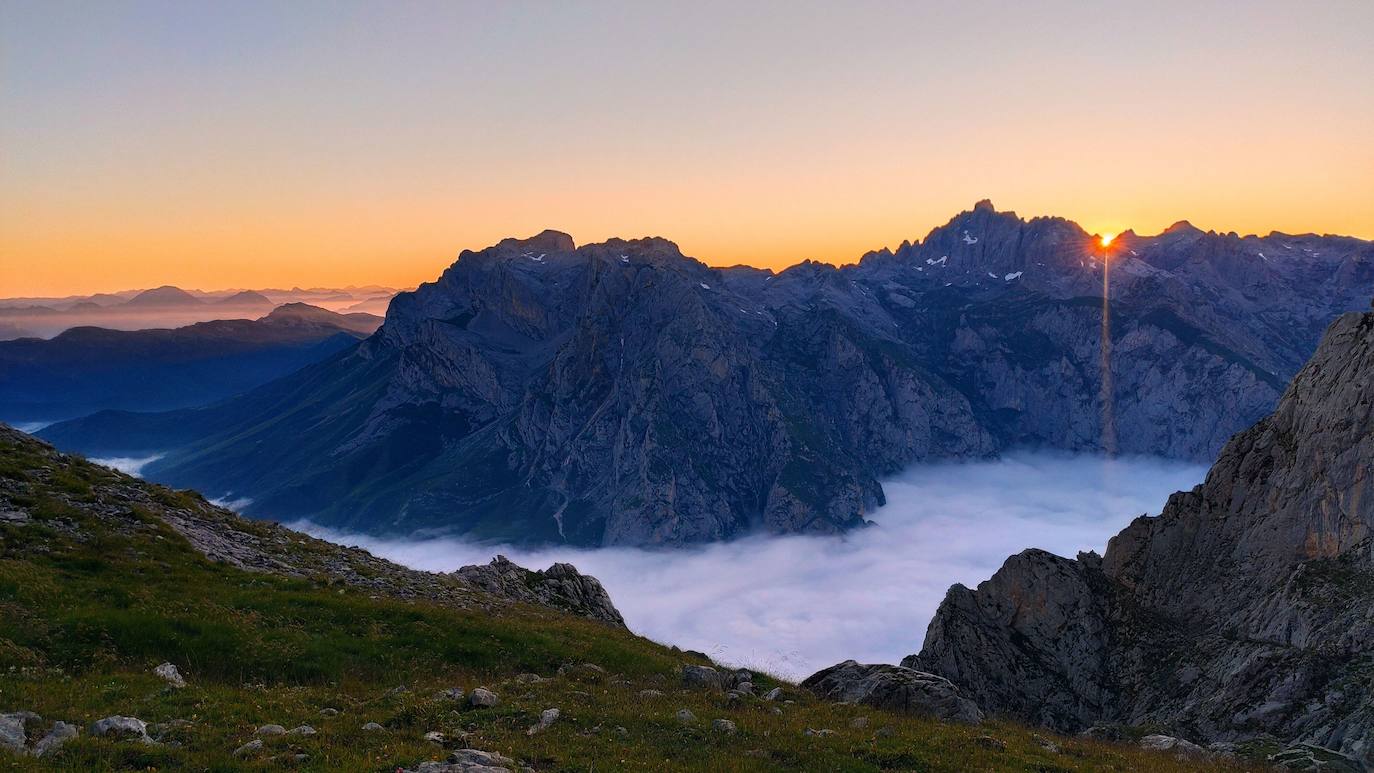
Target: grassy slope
<point>94,593</point>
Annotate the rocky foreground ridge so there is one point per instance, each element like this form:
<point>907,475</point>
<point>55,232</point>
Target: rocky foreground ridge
<point>124,504</point>
<point>623,393</point>
<point>1244,610</point>
<point>143,629</point>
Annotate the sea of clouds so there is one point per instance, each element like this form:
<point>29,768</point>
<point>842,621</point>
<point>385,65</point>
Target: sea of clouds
<point>793,605</point>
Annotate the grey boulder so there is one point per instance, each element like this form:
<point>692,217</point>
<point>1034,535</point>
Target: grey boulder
<point>893,688</point>
<point>57,735</point>
<point>483,698</point>
<point>702,678</point>
<point>170,675</point>
<point>12,735</point>
<point>546,717</point>
<point>121,729</point>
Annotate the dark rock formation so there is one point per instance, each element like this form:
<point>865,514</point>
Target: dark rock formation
<point>560,586</point>
<point>893,688</point>
<point>622,393</point>
<point>1245,609</point>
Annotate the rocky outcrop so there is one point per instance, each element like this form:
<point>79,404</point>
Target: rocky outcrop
<point>893,688</point>
<point>623,393</point>
<point>560,586</point>
<point>1245,609</point>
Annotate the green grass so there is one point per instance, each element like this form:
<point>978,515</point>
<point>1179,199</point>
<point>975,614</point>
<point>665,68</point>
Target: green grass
<point>89,605</point>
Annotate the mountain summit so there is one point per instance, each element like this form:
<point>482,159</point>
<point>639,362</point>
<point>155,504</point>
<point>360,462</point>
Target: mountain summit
<point>165,296</point>
<point>623,393</point>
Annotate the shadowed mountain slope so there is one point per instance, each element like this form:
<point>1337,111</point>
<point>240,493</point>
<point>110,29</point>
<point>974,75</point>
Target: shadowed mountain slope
<point>87,369</point>
<point>1246,609</point>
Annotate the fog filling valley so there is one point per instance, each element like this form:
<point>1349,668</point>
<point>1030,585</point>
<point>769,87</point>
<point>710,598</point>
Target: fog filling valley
<point>792,605</point>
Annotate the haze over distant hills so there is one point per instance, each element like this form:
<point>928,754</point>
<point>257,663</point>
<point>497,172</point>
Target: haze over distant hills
<point>622,393</point>
<point>86,369</point>
<point>169,306</point>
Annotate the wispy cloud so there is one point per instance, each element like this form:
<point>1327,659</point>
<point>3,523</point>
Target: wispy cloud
<point>792,605</point>
<point>30,427</point>
<point>129,465</point>
<point>230,502</point>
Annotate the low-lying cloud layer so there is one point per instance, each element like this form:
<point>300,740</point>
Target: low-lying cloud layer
<point>793,605</point>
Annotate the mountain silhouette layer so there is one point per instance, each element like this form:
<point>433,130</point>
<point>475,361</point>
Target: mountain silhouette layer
<point>623,393</point>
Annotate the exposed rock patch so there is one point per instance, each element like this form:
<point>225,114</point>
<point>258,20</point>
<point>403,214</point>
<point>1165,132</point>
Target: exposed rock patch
<point>893,688</point>
<point>560,586</point>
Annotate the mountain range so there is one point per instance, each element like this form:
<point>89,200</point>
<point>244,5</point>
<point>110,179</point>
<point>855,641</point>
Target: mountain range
<point>87,369</point>
<point>623,393</point>
<point>170,306</point>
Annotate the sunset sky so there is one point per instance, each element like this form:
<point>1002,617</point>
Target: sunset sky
<point>264,144</point>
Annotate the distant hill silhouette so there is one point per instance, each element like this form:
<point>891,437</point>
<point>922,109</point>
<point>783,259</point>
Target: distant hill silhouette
<point>87,369</point>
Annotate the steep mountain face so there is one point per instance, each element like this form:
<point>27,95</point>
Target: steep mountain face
<point>1244,609</point>
<point>88,369</point>
<point>621,393</point>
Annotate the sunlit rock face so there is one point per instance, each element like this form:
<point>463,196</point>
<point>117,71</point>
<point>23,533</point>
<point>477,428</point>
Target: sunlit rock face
<point>1244,609</point>
<point>621,393</point>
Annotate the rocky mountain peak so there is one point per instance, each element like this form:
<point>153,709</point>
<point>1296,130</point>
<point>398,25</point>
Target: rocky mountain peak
<point>546,241</point>
<point>1182,227</point>
<point>649,250</point>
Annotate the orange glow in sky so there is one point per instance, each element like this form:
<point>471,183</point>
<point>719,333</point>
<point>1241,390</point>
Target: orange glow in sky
<point>233,145</point>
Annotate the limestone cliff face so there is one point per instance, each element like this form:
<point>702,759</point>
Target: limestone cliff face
<point>623,393</point>
<point>1245,608</point>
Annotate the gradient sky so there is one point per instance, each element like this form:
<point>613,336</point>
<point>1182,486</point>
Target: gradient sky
<point>313,143</point>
